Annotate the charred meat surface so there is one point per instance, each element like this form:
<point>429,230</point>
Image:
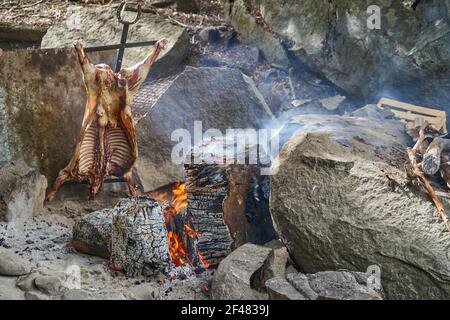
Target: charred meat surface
<point>107,144</point>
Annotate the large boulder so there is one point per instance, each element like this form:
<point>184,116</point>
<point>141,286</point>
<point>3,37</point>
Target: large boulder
<point>22,193</point>
<point>97,26</point>
<point>218,98</point>
<point>335,207</point>
<point>12,265</point>
<point>410,50</point>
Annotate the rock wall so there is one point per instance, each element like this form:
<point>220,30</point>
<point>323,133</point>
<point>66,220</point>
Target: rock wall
<point>41,105</point>
<point>97,26</point>
<point>411,50</point>
<point>42,100</point>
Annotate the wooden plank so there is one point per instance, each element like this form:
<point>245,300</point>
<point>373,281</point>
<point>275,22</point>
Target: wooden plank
<point>412,107</point>
<point>413,116</point>
<point>437,118</point>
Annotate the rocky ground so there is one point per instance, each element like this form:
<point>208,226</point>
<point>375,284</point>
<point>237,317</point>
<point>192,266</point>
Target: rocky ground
<point>44,244</point>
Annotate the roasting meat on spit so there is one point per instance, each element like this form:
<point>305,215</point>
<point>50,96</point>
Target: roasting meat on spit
<point>107,144</point>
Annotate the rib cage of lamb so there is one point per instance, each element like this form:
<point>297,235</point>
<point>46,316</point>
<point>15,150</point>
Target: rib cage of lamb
<point>107,144</point>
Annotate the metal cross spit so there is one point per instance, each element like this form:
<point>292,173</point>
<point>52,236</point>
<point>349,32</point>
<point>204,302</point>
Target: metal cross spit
<point>123,41</point>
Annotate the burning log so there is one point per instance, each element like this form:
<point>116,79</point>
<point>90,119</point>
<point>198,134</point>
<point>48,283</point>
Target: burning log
<point>139,238</point>
<point>430,160</point>
<point>107,141</point>
<point>228,206</point>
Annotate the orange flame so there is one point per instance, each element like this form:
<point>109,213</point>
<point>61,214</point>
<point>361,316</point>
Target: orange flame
<point>179,198</point>
<point>177,204</point>
<point>177,251</point>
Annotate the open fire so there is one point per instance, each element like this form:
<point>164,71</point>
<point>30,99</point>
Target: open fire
<point>173,202</point>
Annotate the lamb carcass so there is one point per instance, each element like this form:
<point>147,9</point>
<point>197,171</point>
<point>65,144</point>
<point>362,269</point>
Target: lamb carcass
<point>107,144</point>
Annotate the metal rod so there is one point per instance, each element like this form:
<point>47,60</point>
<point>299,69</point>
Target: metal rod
<point>123,42</point>
<point>107,180</point>
<point>118,46</point>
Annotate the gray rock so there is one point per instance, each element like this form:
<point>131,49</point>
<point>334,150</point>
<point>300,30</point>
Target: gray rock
<point>253,33</point>
<point>22,193</point>
<point>145,291</point>
<point>98,26</point>
<point>291,269</point>
<point>274,266</point>
<point>50,285</point>
<point>92,233</point>
<point>233,279</point>
<point>409,56</point>
<point>372,111</point>
<point>77,294</point>
<point>330,285</point>
<point>332,103</point>
<point>26,282</point>
<point>280,289</point>
<point>8,289</point>
<point>333,207</point>
<point>12,265</point>
<point>139,237</point>
<point>210,34</point>
<point>220,98</point>
<point>36,296</point>
<point>302,285</point>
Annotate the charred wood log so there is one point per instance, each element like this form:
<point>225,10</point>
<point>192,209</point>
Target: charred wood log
<point>139,238</point>
<point>228,205</point>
